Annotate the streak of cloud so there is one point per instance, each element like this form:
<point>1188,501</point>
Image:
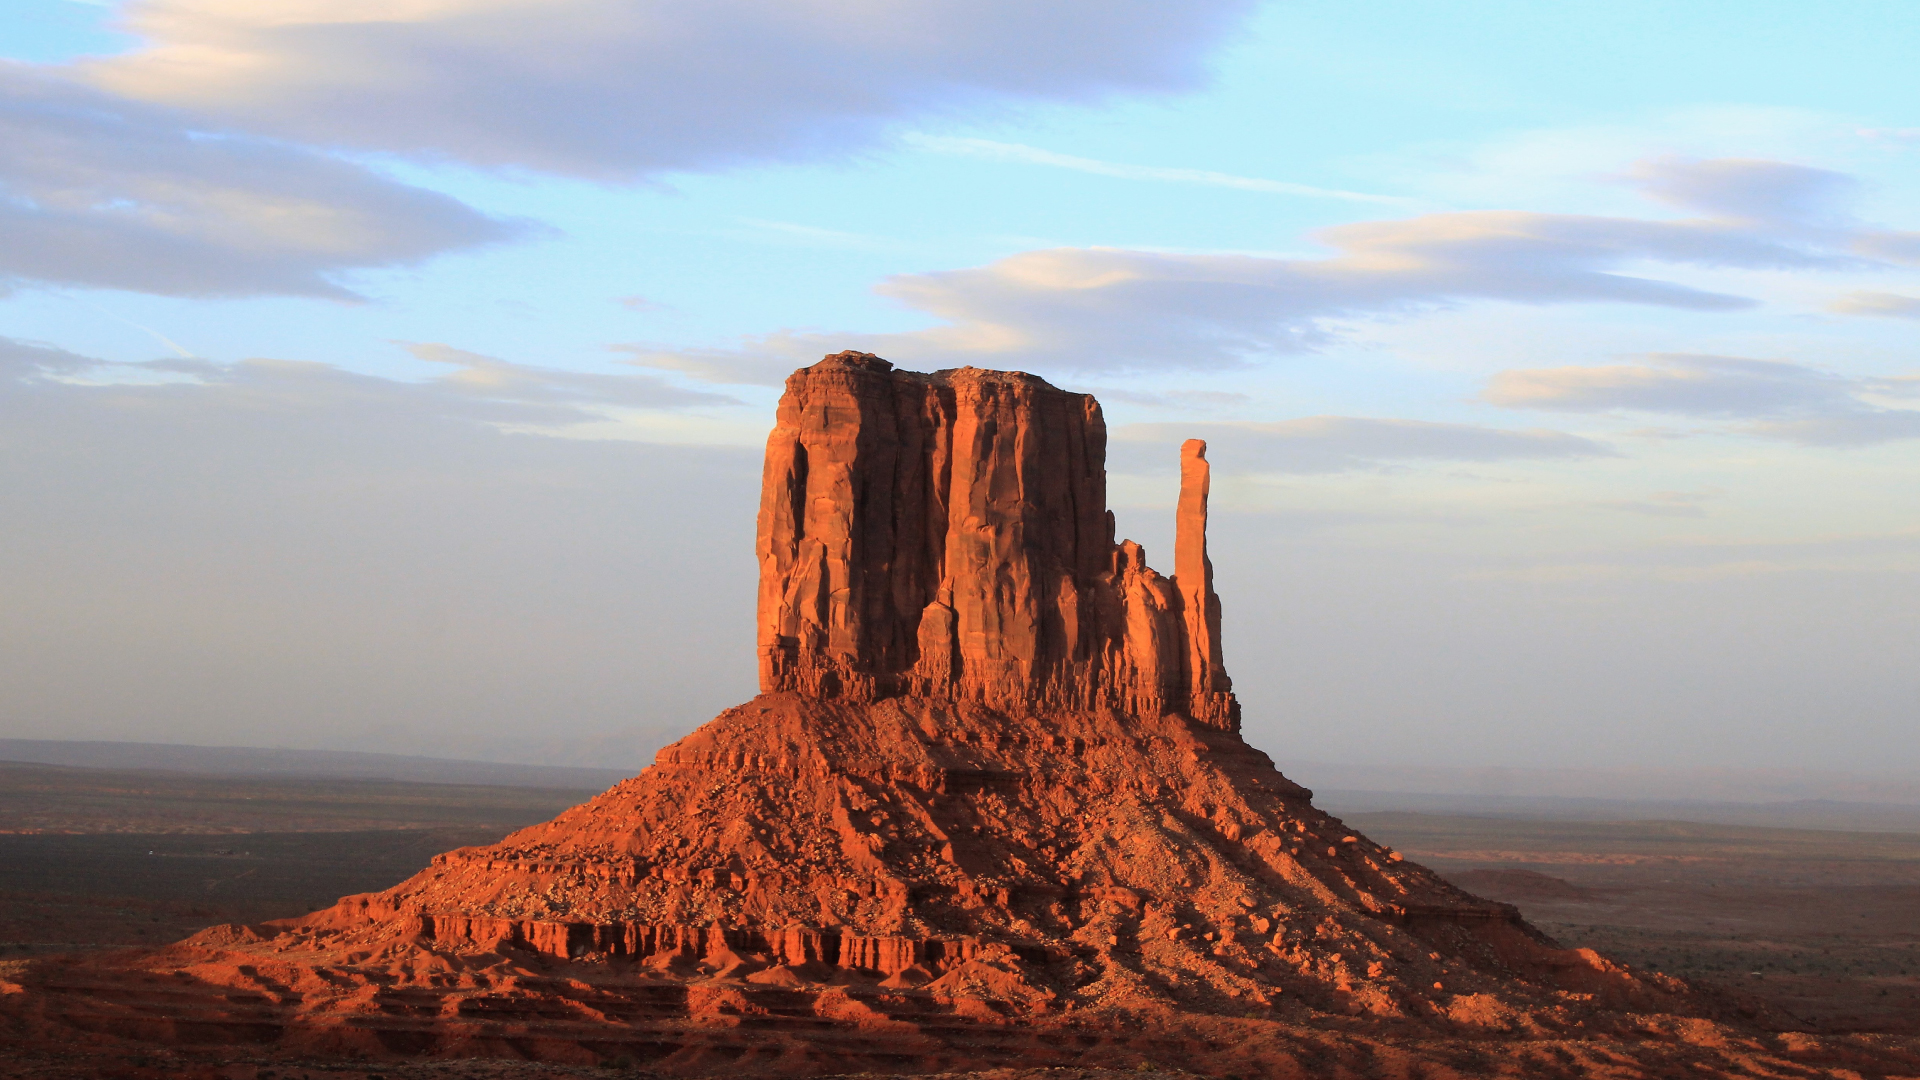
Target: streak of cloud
<point>173,346</point>
<point>1171,400</point>
<point>472,388</point>
<point>490,378</point>
<point>723,367</point>
<point>1684,384</point>
<point>1776,193</point>
<point>1776,399</point>
<point>1884,304</point>
<point>1032,155</point>
<point>101,192</point>
<point>1327,444</point>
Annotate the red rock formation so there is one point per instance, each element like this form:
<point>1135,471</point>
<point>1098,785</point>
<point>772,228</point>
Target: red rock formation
<point>992,807</point>
<point>1193,572</point>
<point>814,884</point>
<point>947,535</point>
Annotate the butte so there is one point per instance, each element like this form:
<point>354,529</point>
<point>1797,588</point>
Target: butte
<point>992,807</point>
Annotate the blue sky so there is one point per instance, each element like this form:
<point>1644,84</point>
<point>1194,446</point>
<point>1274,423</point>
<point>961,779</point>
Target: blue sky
<point>1559,358</point>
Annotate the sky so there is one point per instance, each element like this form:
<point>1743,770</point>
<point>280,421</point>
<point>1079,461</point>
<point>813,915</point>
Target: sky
<point>392,374</point>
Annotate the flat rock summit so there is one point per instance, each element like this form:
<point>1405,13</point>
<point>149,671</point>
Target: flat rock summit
<point>991,808</point>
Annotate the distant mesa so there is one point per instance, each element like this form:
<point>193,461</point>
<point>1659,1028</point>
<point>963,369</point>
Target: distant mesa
<point>991,807</point>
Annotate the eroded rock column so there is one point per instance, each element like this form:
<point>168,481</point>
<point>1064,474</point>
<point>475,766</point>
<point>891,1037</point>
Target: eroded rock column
<point>1193,574</point>
<point>947,534</point>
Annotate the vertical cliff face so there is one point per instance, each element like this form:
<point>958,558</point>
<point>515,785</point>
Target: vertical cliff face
<point>948,535</point>
<point>1193,571</point>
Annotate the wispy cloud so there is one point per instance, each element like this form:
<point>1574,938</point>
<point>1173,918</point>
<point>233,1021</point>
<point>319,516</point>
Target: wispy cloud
<point>103,192</point>
<point>1172,400</point>
<point>1775,193</point>
<point>725,367</point>
<point>1884,304</point>
<point>1673,504</point>
<point>467,386</point>
<point>1683,384</point>
<point>171,345</point>
<point>668,85</point>
<point>1033,155</point>
<point>1775,399</point>
<point>205,161</point>
<point>811,235</point>
<point>1106,309</point>
<point>489,378</point>
<point>1325,444</point>
<point>1855,427</point>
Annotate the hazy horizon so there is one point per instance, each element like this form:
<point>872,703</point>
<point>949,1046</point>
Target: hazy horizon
<point>1558,364</point>
<point>1796,797</point>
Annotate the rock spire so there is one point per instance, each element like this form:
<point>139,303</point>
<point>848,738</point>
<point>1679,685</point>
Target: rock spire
<point>947,535</point>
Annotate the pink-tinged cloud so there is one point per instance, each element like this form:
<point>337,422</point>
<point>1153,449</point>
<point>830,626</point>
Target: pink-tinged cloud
<point>1684,384</point>
<point>1772,398</point>
<point>1884,304</point>
<point>1095,309</point>
<point>615,90</point>
<point>99,191</point>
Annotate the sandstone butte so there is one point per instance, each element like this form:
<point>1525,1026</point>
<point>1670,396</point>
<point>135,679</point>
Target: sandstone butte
<point>991,808</point>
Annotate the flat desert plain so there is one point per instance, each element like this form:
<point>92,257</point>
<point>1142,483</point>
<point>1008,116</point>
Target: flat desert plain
<point>1821,927</point>
<point>98,858</point>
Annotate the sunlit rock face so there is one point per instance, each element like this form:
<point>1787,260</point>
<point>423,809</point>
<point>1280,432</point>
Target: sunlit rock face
<point>947,535</point>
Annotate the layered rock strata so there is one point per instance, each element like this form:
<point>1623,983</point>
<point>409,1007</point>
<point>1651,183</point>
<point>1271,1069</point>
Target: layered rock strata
<point>947,535</point>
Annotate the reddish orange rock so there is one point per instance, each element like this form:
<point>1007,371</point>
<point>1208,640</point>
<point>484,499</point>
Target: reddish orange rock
<point>947,535</point>
<point>1193,572</point>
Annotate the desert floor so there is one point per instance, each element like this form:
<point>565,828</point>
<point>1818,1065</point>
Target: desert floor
<point>1824,926</point>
